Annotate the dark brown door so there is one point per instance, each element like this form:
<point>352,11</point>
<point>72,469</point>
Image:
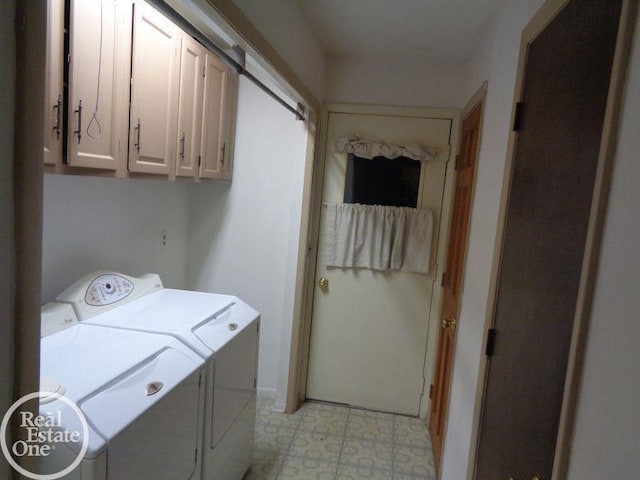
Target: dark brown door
<point>452,282</point>
<point>564,98</point>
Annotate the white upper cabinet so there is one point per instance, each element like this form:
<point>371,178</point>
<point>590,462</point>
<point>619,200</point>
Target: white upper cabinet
<point>154,91</point>
<point>142,96</point>
<point>99,42</point>
<point>213,125</point>
<point>53,85</point>
<point>192,59</point>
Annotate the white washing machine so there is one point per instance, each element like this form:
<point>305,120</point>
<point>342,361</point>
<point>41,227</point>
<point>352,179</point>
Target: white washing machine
<point>140,393</point>
<point>222,329</point>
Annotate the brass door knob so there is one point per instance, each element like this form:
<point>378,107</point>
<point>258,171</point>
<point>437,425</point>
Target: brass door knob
<point>449,323</point>
<point>323,283</point>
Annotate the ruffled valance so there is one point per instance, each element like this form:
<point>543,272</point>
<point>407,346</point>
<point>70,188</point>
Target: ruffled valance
<point>373,148</point>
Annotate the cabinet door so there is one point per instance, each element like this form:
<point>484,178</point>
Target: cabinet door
<point>98,76</point>
<point>154,91</point>
<point>190,106</point>
<point>213,147</point>
<point>53,84</point>
<point>230,114</point>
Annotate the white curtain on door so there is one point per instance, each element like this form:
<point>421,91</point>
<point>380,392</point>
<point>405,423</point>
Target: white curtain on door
<point>379,237</point>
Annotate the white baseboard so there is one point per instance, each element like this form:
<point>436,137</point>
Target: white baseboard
<point>279,406</point>
<point>272,394</point>
<point>266,392</point>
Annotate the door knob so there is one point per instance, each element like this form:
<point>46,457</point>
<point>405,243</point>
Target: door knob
<point>446,323</point>
<point>323,283</point>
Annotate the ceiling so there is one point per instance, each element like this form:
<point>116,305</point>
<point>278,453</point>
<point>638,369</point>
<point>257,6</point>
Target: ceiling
<point>435,30</point>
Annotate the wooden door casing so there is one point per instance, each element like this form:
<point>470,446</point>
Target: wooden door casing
<point>452,280</point>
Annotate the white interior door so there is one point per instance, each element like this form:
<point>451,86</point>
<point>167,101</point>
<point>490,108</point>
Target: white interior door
<point>369,328</point>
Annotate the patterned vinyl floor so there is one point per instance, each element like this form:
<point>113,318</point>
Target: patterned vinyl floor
<point>329,442</point>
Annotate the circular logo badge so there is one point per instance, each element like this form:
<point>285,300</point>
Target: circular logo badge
<point>44,433</point>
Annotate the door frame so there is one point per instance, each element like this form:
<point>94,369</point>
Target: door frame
<point>301,341</point>
<point>549,10</point>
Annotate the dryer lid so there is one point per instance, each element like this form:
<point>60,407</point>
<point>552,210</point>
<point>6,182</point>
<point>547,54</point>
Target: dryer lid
<point>176,312</point>
<point>228,323</point>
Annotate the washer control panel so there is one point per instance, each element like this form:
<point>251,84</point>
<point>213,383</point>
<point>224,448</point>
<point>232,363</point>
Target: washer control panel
<point>107,289</point>
<point>100,291</point>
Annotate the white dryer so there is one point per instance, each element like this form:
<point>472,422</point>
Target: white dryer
<point>140,393</point>
<point>222,329</point>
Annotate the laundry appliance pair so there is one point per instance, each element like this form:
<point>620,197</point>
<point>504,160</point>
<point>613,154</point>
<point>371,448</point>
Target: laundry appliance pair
<point>165,379</point>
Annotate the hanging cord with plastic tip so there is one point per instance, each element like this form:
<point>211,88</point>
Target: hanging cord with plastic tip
<point>94,118</point>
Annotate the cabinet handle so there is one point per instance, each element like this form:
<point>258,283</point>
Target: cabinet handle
<point>58,108</point>
<point>224,149</point>
<point>137,144</point>
<point>78,132</point>
<point>182,147</point>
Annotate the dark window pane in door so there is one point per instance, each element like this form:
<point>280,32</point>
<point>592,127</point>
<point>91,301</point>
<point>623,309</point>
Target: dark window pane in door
<point>382,181</point>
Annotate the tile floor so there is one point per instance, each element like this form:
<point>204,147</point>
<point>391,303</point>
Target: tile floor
<point>327,442</point>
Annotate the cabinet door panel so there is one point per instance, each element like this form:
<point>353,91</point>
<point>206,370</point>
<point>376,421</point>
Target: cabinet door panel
<point>215,83</point>
<point>190,107</point>
<point>154,92</point>
<point>53,83</point>
<point>96,82</point>
<point>230,111</point>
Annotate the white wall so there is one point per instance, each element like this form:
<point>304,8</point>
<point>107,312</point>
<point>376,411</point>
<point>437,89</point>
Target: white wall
<point>284,24</point>
<point>607,432</point>
<point>500,47</point>
<point>101,223</point>
<point>7,92</point>
<point>394,82</point>
<point>244,236</point>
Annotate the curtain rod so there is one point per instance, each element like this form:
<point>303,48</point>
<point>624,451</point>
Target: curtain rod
<point>239,66</point>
